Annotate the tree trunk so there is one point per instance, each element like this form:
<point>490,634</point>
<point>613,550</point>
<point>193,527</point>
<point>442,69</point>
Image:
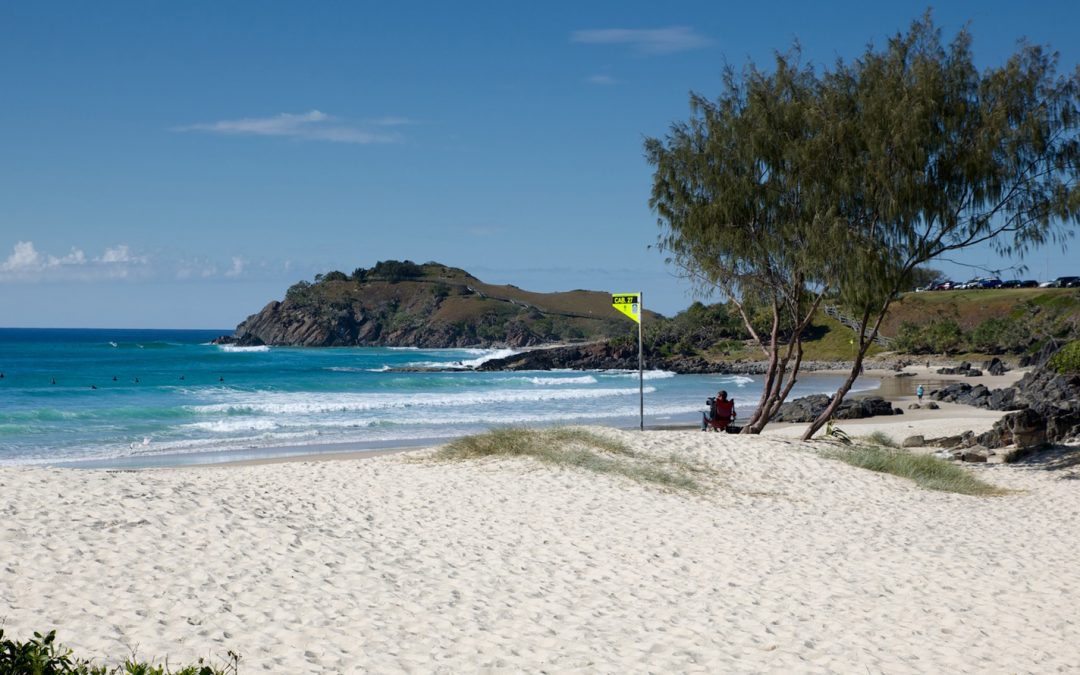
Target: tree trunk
<point>856,368</point>
<point>770,371</point>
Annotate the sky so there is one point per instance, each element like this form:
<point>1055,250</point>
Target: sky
<point>180,164</point>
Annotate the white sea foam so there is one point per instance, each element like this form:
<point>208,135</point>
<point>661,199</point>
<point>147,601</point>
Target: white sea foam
<point>484,355</point>
<point>278,403</point>
<point>558,381</point>
<point>648,374</point>
<point>238,348</point>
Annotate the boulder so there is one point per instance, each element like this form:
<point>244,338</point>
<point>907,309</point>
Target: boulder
<point>975,454</point>
<point>932,406</point>
<point>897,411</point>
<point>914,406</point>
<point>914,442</point>
<point>963,440</point>
<point>995,366</point>
<point>972,372</point>
<point>808,408</point>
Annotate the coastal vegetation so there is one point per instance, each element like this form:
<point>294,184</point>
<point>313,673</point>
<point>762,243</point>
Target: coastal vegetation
<point>801,183</point>
<point>1014,321</point>
<point>576,449</point>
<point>1067,360</point>
<point>42,655</point>
<point>927,472</point>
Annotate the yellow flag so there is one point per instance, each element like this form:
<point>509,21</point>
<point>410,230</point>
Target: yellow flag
<point>628,303</point>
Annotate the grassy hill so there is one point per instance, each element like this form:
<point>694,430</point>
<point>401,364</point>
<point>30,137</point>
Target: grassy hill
<point>399,303</point>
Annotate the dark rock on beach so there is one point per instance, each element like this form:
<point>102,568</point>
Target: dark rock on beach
<point>808,408</point>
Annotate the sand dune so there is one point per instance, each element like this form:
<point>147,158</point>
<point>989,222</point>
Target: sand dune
<point>789,562</point>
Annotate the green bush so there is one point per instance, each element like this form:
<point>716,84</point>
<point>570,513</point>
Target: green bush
<point>996,335</point>
<point>397,270</point>
<point>42,655</point>
<point>1067,359</point>
<point>945,336</point>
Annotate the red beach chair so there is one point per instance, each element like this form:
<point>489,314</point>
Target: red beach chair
<point>721,412</point>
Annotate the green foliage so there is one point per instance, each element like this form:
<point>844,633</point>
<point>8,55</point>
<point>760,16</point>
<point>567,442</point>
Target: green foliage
<point>850,177</point>
<point>994,335</point>
<point>945,336</point>
<point>396,270</point>
<point>42,655</point>
<point>575,448</point>
<point>299,292</point>
<point>360,274</point>
<point>928,472</point>
<point>998,335</point>
<point>335,276</point>
<point>1067,359</point>
<point>695,329</point>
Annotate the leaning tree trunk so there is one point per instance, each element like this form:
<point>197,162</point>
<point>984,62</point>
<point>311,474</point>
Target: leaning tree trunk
<point>770,370</point>
<point>856,368</point>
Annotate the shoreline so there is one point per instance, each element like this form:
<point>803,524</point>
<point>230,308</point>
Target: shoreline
<point>897,389</point>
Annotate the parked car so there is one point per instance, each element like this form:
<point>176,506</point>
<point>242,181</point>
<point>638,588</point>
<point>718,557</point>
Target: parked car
<point>944,285</point>
<point>1029,283</point>
<point>992,282</point>
<point>1066,282</point>
<point>1046,284</point>
<point>1011,283</point>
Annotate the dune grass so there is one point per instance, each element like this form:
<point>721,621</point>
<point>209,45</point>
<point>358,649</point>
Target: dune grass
<point>575,448</point>
<point>928,472</point>
<point>880,438</point>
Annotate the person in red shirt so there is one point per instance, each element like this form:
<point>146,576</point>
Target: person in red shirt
<point>721,412</point>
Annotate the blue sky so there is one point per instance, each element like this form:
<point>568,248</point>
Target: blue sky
<point>180,164</point>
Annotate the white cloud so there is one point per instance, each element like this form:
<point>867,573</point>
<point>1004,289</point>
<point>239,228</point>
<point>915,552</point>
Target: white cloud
<point>313,125</point>
<point>237,267</point>
<point>27,263</point>
<point>647,41</point>
<point>25,258</point>
<point>603,80</point>
<point>120,254</point>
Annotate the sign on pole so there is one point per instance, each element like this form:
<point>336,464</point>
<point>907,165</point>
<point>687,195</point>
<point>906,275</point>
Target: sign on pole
<point>630,305</point>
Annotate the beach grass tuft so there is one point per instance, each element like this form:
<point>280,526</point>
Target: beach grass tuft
<point>928,472</point>
<point>575,448</point>
<point>880,438</point>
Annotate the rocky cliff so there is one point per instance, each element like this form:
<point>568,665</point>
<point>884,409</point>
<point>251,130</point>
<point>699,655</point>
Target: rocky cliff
<point>430,305</point>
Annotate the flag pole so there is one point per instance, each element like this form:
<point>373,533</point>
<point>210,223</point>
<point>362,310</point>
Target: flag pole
<point>641,361</point>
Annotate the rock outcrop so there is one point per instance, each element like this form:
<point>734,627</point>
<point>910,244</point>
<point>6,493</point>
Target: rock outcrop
<point>1048,406</point>
<point>808,408</point>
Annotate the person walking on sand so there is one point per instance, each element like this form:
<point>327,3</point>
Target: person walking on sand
<point>919,392</point>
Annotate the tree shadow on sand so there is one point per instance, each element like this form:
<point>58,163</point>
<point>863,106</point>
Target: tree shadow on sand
<point>1056,458</point>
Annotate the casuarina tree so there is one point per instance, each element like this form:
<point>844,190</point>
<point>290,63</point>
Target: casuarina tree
<point>743,212</point>
<point>846,180</point>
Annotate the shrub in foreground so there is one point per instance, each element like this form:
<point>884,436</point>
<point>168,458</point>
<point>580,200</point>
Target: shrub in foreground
<point>42,655</point>
<point>928,472</point>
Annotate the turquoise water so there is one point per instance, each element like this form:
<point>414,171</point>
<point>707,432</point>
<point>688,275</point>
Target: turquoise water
<point>152,397</point>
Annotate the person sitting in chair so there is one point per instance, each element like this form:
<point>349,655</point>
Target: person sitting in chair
<point>721,412</point>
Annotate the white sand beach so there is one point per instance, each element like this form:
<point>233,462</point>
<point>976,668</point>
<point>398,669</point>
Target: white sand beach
<point>787,563</point>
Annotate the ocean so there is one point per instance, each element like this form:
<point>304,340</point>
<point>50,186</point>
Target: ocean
<point>140,398</point>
